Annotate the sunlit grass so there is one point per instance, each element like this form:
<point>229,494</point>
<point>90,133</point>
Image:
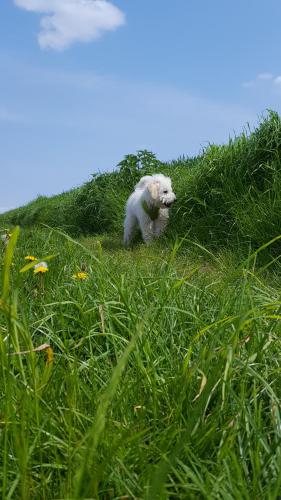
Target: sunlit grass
<point>149,373</point>
<point>229,196</point>
<point>156,377</point>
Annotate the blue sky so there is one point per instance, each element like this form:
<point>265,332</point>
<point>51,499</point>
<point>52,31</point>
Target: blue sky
<point>84,82</point>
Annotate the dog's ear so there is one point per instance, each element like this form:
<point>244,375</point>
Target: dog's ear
<point>153,188</point>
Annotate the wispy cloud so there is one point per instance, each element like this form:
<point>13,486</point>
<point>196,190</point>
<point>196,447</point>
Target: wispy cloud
<point>65,22</point>
<point>107,104</point>
<point>264,76</point>
<point>263,79</point>
<point>277,81</point>
<point>80,122</point>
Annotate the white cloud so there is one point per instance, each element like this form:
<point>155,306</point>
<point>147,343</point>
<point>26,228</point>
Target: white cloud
<point>263,80</point>
<point>277,80</point>
<point>265,76</point>
<point>65,22</point>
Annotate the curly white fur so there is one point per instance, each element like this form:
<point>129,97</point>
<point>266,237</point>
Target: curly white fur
<point>148,207</point>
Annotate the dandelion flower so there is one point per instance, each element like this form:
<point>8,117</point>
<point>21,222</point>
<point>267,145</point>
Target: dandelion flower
<point>30,258</point>
<point>41,267</point>
<point>80,276</point>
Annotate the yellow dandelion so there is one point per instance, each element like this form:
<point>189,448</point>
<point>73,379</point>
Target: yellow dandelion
<point>30,258</point>
<point>80,276</point>
<point>41,267</point>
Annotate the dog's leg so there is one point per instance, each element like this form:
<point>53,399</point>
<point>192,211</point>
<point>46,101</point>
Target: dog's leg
<point>147,231</point>
<point>161,223</point>
<point>147,237</point>
<point>129,226</point>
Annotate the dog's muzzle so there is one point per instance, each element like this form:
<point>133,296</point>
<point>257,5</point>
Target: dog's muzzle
<point>168,205</point>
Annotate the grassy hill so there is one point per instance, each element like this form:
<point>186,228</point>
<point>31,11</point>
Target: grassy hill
<point>229,194</point>
<point>154,373</point>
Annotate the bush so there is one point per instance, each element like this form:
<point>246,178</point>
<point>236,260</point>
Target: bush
<point>100,202</point>
<point>234,190</point>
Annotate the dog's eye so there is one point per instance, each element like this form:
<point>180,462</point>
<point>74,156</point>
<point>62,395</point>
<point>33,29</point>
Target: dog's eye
<point>165,192</point>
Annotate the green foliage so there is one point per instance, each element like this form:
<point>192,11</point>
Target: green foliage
<point>58,211</point>
<point>164,380</point>
<point>159,374</point>
<point>233,192</point>
<point>101,202</point>
<point>228,195</point>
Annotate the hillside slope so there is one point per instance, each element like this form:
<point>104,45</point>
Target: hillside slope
<point>227,194</point>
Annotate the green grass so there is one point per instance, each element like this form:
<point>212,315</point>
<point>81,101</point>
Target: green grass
<point>162,375</point>
<point>228,196</point>
<point>165,381</point>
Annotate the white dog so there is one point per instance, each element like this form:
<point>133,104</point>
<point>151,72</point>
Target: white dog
<point>148,207</point>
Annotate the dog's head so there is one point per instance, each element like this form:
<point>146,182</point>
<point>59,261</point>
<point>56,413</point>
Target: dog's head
<point>160,191</point>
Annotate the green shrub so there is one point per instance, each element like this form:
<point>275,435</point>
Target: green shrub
<point>100,202</point>
<point>234,190</point>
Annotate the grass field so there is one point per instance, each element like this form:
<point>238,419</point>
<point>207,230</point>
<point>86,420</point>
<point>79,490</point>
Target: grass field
<point>158,375</point>
<point>162,379</point>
